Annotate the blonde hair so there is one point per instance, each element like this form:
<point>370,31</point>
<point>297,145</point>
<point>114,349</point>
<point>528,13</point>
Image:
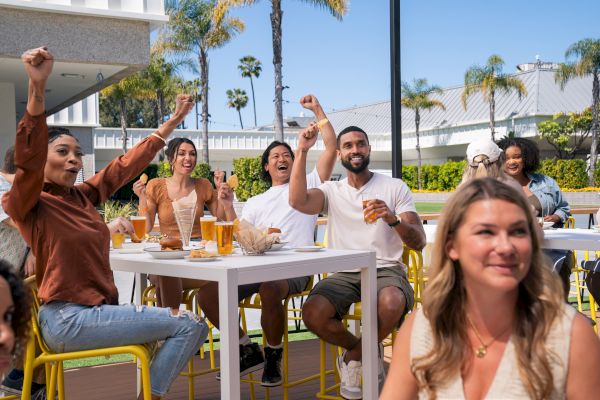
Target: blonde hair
<point>482,167</point>
<point>538,303</point>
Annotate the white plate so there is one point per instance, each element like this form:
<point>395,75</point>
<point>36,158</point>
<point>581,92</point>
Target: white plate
<point>130,251</point>
<point>308,249</point>
<point>547,224</point>
<point>278,246</point>
<point>156,252</point>
<point>202,259</point>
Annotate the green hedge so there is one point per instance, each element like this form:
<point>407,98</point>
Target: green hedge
<point>247,169</point>
<point>569,174</point>
<point>444,177</point>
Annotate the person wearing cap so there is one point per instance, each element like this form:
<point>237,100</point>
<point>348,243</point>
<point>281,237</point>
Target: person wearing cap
<point>543,193</point>
<point>486,160</point>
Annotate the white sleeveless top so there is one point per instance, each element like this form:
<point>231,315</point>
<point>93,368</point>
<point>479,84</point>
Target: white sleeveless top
<point>507,383</point>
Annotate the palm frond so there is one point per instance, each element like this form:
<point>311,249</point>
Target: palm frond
<point>337,8</point>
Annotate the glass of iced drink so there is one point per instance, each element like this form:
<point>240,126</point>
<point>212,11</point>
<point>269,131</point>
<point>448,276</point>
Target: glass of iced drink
<point>139,226</point>
<point>224,237</point>
<point>207,227</point>
<point>367,198</point>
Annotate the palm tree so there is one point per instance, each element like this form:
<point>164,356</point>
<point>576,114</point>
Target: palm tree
<point>488,80</point>
<point>587,62</point>
<point>416,97</point>
<point>237,99</point>
<point>337,8</point>
<point>249,67</point>
<point>127,88</point>
<point>196,27</point>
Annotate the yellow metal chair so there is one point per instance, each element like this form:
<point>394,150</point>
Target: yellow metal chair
<point>55,374</point>
<point>294,313</point>
<point>189,299</point>
<point>414,261</point>
<point>580,287</point>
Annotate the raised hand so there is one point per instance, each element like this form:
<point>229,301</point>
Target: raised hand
<point>139,188</point>
<point>225,194</point>
<point>219,177</point>
<point>308,137</point>
<point>183,105</point>
<point>38,64</point>
<point>310,102</point>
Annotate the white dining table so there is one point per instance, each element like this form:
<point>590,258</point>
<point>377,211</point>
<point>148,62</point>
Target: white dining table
<point>560,239</point>
<point>238,269</point>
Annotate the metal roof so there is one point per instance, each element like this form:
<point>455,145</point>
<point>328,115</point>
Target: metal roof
<point>544,98</point>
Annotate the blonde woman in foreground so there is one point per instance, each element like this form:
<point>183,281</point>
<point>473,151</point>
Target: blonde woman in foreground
<point>493,323</point>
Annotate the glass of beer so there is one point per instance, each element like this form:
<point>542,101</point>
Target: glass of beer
<point>117,240</point>
<point>224,237</point>
<point>366,199</point>
<point>139,226</point>
<point>207,227</point>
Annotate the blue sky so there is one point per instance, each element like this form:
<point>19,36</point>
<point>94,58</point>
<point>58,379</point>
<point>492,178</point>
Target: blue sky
<point>346,63</point>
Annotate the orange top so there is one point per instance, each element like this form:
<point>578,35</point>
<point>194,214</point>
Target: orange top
<point>61,225</point>
<point>157,194</point>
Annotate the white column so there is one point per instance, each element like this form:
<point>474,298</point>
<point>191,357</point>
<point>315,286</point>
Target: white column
<point>8,117</point>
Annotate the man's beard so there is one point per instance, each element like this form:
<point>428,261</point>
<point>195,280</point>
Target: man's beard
<point>358,169</point>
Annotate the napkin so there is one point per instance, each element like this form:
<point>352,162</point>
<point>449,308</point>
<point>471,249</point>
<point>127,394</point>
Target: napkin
<point>184,211</point>
<point>254,240</point>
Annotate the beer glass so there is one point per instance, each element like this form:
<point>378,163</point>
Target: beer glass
<point>139,226</point>
<point>224,237</point>
<point>117,240</point>
<point>207,227</point>
<point>366,199</point>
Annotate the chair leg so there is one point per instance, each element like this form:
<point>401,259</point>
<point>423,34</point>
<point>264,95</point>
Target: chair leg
<point>61,381</point>
<point>147,390</point>
<point>28,369</point>
<point>51,386</point>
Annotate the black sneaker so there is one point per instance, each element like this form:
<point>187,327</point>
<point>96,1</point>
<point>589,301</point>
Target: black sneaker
<point>251,359</point>
<point>13,383</point>
<point>272,372</point>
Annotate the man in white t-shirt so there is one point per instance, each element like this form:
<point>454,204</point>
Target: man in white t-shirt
<point>394,223</point>
<point>272,209</point>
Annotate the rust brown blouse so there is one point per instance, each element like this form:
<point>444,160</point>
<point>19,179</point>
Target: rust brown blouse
<point>157,194</point>
<point>61,225</point>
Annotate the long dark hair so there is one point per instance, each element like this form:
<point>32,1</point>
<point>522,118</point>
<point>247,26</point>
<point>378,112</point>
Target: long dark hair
<point>21,300</point>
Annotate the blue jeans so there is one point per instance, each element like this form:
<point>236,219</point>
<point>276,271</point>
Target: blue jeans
<point>73,327</point>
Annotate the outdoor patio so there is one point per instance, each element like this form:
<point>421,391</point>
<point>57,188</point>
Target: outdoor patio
<point>117,381</point>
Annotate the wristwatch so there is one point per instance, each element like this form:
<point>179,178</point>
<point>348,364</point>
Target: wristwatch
<point>396,222</point>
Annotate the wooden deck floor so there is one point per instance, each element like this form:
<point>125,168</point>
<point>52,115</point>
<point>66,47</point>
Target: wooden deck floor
<point>117,381</point>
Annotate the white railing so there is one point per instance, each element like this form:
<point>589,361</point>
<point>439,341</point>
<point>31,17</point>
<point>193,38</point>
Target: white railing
<point>152,10</point>
<point>110,138</point>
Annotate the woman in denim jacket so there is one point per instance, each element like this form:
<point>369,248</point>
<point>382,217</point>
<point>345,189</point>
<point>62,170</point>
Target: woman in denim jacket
<point>542,192</point>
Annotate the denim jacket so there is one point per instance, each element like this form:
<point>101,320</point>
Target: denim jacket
<point>551,199</point>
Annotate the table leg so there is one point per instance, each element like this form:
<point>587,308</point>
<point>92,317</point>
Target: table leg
<point>142,283</point>
<point>230,352</point>
<point>368,276</point>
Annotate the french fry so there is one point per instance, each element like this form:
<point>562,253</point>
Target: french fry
<point>233,182</point>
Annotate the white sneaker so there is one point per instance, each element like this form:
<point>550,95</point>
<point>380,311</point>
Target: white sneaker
<point>350,375</point>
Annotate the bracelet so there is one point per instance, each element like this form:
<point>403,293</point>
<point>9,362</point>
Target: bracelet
<point>322,122</point>
<point>396,222</point>
<point>158,136</point>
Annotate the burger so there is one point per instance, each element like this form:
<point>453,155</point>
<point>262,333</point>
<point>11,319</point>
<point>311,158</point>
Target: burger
<point>170,244</point>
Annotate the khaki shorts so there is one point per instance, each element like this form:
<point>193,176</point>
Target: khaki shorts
<point>296,285</point>
<point>343,288</point>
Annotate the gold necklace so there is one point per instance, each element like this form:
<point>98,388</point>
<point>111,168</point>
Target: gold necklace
<point>482,350</point>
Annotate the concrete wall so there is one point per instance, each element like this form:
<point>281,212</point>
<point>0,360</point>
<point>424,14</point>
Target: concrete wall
<point>7,117</point>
